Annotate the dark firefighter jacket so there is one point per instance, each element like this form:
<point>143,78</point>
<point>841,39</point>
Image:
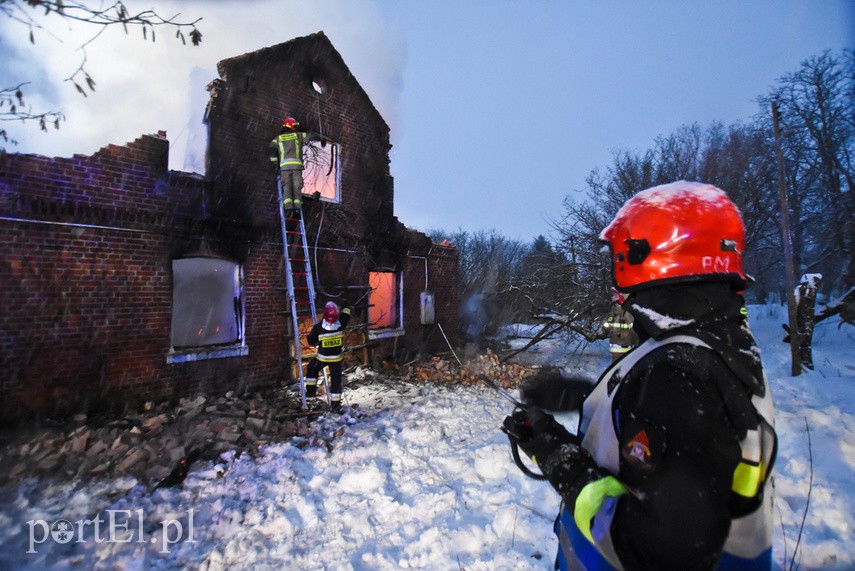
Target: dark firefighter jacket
<point>287,149</point>
<point>622,337</point>
<point>681,427</point>
<point>329,338</point>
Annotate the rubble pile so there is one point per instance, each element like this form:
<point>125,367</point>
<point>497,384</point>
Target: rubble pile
<point>149,444</point>
<point>472,371</point>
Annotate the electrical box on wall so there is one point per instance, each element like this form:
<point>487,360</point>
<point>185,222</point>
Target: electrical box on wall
<point>428,317</point>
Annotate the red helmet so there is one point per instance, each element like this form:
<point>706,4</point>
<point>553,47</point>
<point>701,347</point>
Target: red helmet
<point>331,312</point>
<point>290,123</point>
<point>683,231</point>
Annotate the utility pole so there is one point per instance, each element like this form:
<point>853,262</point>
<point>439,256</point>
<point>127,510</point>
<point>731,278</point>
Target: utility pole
<point>789,271</point>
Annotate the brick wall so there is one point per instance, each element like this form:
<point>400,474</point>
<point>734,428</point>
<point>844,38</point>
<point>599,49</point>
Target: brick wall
<point>88,243</point>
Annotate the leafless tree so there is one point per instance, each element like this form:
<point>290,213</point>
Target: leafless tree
<point>817,110</point>
<point>35,14</point>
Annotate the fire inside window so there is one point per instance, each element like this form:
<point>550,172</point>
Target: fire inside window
<point>321,170</point>
<point>207,303</point>
<point>384,310</point>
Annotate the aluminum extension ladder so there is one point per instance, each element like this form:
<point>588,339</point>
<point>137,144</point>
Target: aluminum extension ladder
<point>300,286</point>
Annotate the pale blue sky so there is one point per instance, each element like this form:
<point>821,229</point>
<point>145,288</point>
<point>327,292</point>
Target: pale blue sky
<point>498,109</point>
<point>495,92</point>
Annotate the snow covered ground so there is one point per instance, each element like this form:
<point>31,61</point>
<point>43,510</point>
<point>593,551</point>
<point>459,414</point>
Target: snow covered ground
<point>423,480</point>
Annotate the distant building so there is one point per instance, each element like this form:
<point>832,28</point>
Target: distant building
<point>124,281</point>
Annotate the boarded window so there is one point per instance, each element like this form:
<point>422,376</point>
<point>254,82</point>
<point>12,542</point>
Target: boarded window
<point>207,303</point>
<point>321,170</point>
<point>384,301</point>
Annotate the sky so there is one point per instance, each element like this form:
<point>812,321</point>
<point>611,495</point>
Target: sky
<point>498,110</point>
<point>411,483</point>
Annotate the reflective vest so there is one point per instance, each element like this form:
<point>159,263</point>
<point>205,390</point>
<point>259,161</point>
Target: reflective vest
<point>583,546</point>
<point>290,146</point>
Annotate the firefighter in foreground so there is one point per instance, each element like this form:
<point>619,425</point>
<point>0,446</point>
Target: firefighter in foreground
<point>328,336</point>
<point>287,150</point>
<point>670,467</point>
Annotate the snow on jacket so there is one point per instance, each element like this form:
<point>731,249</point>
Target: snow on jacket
<point>329,337</point>
<point>683,425</point>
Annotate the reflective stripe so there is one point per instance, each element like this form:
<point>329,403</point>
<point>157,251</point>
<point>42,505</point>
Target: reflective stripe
<point>296,160</point>
<point>333,341</point>
<point>747,479</point>
<point>617,325</point>
<point>750,473</point>
<point>329,358</point>
<point>591,498</point>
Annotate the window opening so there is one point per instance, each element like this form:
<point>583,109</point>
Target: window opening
<point>384,301</point>
<point>321,170</point>
<point>207,303</point>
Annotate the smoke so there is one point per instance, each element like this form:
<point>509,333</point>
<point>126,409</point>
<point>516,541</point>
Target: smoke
<point>143,86</point>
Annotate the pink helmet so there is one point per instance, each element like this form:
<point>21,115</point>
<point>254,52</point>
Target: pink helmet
<point>331,312</point>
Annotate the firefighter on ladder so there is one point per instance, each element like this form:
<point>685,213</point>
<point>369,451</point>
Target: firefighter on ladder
<point>328,336</point>
<point>287,150</point>
<point>618,324</point>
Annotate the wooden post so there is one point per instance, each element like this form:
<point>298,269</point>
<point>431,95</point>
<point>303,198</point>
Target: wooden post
<point>789,271</point>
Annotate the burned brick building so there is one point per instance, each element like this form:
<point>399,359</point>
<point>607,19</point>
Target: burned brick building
<point>125,281</point>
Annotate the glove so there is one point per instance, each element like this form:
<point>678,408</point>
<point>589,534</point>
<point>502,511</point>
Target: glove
<point>537,433</point>
<point>549,389</point>
<point>559,454</point>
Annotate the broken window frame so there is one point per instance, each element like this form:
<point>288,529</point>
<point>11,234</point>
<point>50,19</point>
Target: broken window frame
<point>322,170</point>
<point>236,345</point>
<point>397,329</point>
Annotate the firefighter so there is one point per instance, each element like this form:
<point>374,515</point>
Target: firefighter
<point>619,327</point>
<point>287,151</point>
<point>328,336</point>
<point>670,465</point>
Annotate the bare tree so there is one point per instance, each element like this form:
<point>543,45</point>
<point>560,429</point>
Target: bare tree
<point>35,14</point>
<point>817,110</point>
<point>736,159</point>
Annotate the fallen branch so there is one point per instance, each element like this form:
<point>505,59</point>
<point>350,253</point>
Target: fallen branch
<point>807,503</point>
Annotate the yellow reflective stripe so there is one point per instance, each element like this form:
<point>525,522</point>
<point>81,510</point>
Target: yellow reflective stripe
<point>331,339</point>
<point>747,479</point>
<point>591,498</point>
<point>329,358</point>
<point>286,161</point>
